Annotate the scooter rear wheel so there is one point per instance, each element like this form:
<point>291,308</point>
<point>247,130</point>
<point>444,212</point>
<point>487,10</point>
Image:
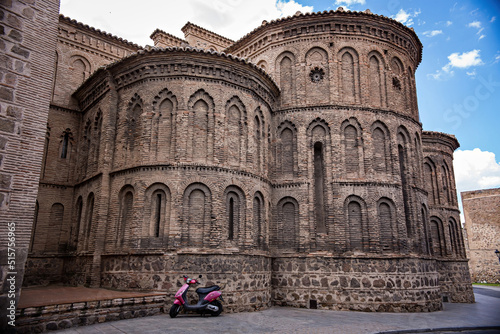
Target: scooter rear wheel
<point>174,310</point>
<point>219,305</point>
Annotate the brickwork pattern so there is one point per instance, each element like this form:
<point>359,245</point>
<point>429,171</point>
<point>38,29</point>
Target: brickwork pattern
<point>303,180</point>
<point>26,72</point>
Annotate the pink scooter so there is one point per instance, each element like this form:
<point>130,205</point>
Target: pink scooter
<point>207,299</point>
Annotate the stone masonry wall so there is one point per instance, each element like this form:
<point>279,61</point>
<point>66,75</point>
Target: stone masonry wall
<point>244,280</point>
<point>26,72</point>
<point>361,284</point>
<point>482,222</point>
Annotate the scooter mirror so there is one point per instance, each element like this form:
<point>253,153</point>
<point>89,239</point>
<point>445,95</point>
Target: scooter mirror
<point>200,276</point>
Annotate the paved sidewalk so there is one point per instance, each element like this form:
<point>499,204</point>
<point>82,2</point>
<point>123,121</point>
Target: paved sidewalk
<point>484,313</point>
<point>53,295</point>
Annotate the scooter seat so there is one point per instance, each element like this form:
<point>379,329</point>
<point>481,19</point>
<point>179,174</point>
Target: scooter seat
<point>207,290</point>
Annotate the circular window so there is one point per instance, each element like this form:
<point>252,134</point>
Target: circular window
<point>317,74</point>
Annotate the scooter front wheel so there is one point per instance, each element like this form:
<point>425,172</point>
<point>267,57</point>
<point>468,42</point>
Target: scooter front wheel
<point>219,305</point>
<point>174,310</point>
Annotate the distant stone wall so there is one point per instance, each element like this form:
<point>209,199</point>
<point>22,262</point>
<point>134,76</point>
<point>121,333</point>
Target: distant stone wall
<point>482,222</point>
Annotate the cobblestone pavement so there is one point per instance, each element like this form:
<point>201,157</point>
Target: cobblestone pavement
<point>484,313</point>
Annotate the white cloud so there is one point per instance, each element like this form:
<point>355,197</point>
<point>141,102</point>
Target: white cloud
<point>456,60</point>
<point>465,60</point>
<point>349,2</point>
<point>493,19</point>
<point>479,27</point>
<point>432,33</point>
<point>229,18</point>
<point>406,17</point>
<point>475,24</point>
<point>289,8</point>
<point>476,170</point>
<point>472,73</point>
<point>448,23</point>
<point>436,76</point>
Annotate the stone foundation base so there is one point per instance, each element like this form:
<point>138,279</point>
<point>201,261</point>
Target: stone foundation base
<point>359,284</point>
<point>255,282</point>
<point>455,281</point>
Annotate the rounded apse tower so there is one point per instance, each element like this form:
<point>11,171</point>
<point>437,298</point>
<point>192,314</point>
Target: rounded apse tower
<point>350,224</point>
<point>296,181</point>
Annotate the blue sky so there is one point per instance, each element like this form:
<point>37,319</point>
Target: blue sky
<point>458,81</point>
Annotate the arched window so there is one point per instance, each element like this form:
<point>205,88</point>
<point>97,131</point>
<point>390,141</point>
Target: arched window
<point>375,81</point>
<point>201,125</point>
<point>287,148</point>
<point>65,143</point>
<point>455,239</point>
<point>398,86</point>
<point>258,220</point>
<point>286,80</point>
<point>158,204</point>
<point>431,181</point>
<point>380,151</point>
<point>55,226</point>
<point>75,232</point>
<point>163,125</point>
<point>319,181</point>
<point>351,150</point>
<point>156,216</point>
<point>427,249</point>
<point>288,220</point>
<point>387,225</point>
<point>89,213</point>
<point>437,236</point>
<point>79,70</point>
<point>125,216</point>
<point>356,228</point>
<point>258,141</point>
<point>133,132</point>
<point>197,207</point>
<point>348,78</point>
<point>233,215</point>
<point>235,212</point>
<point>402,138</point>
<point>236,130</point>
<point>446,184</point>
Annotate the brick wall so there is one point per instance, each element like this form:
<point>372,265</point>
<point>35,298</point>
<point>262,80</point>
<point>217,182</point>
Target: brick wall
<point>27,69</point>
<point>315,152</point>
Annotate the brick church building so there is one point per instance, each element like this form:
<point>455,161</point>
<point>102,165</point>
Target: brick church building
<point>290,167</point>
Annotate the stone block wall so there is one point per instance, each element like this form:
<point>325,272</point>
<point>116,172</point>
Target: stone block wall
<point>360,284</point>
<point>482,222</point>
<point>244,279</point>
<point>455,281</point>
